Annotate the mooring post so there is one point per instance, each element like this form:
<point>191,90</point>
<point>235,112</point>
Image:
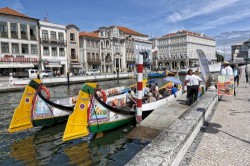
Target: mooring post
<point>139,87</point>
<point>68,77</point>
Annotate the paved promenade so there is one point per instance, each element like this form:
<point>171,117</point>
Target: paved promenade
<point>225,140</point>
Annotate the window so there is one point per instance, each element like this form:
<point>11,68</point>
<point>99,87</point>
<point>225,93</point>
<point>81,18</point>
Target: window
<point>25,49</point>
<point>3,29</point>
<point>88,43</point>
<point>23,31</point>
<point>73,54</point>
<point>33,49</point>
<point>5,47</point>
<point>54,51</point>
<point>53,35</point>
<point>13,30</point>
<point>61,52</point>
<point>61,37</point>
<point>33,32</point>
<point>15,48</point>
<point>73,51</point>
<point>72,37</point>
<point>45,35</point>
<point>45,51</point>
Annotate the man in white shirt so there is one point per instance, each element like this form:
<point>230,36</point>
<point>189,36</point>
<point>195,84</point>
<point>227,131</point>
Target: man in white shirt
<point>194,82</point>
<point>226,69</point>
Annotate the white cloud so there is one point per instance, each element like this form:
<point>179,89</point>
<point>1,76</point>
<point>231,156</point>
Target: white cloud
<point>224,20</point>
<point>197,9</point>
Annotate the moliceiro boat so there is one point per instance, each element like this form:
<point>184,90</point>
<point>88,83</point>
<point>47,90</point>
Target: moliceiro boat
<point>93,114</point>
<point>35,109</point>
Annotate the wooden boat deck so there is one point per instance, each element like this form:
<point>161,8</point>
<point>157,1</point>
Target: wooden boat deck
<point>160,118</point>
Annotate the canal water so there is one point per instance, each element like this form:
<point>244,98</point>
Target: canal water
<point>44,146</point>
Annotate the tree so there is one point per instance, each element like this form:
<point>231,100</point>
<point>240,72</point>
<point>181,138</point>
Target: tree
<point>220,58</point>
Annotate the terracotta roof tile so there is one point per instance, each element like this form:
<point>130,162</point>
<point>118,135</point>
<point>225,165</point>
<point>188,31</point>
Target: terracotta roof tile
<point>94,34</point>
<point>12,12</point>
<point>129,31</point>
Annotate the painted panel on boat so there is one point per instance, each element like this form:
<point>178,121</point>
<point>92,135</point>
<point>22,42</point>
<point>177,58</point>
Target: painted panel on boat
<point>41,109</point>
<point>100,114</point>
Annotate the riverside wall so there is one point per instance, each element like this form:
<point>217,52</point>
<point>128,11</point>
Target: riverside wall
<point>170,146</point>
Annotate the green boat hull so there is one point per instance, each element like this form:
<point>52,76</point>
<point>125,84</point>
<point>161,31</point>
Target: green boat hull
<point>50,121</point>
<point>95,128</point>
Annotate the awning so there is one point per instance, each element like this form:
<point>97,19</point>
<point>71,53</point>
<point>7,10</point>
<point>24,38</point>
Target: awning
<point>53,65</point>
<point>77,66</point>
<point>16,65</point>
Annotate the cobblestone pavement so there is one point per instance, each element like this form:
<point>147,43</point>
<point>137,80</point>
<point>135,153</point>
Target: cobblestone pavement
<point>225,140</point>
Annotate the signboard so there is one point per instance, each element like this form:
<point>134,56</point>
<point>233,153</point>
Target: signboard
<point>203,65</point>
<point>17,59</point>
<point>225,85</point>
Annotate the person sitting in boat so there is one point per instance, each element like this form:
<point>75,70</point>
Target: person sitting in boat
<point>151,98</point>
<point>131,101</point>
<point>157,95</point>
<point>155,87</point>
<point>146,90</point>
<point>174,89</point>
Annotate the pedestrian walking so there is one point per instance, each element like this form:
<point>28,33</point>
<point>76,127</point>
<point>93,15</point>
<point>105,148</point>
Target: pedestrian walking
<point>194,83</point>
<point>187,85</point>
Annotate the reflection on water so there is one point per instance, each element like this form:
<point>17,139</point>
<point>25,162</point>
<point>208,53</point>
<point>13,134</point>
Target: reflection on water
<point>44,146</point>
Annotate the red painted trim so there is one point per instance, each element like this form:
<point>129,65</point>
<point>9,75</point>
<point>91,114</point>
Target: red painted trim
<point>139,102</point>
<point>139,86</point>
<point>140,68</point>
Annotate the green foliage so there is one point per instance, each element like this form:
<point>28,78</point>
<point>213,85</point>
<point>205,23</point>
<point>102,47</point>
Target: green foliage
<point>220,58</point>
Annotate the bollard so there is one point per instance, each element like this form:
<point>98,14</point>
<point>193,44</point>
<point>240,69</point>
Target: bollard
<point>11,80</point>
<point>68,78</point>
<point>139,88</point>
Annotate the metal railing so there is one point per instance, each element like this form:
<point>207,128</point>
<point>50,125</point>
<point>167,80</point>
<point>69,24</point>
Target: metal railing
<point>53,41</point>
<point>14,35</point>
<point>4,34</point>
<point>94,61</point>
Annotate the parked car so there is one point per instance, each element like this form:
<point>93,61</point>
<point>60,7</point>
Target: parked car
<point>93,72</point>
<point>46,73</point>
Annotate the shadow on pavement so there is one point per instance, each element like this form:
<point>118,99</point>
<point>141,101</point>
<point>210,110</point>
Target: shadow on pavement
<point>213,128</point>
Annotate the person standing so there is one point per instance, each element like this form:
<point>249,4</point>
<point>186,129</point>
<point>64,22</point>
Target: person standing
<point>194,83</point>
<point>187,85</point>
<point>226,69</point>
<point>237,74</point>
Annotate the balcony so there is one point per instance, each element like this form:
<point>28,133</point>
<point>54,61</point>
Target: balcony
<point>14,35</point>
<point>108,60</point>
<point>94,61</point>
<point>24,36</point>
<point>74,58</point>
<point>32,37</point>
<point>53,41</point>
<point>4,35</point>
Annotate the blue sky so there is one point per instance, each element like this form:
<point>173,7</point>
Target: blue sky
<point>151,17</point>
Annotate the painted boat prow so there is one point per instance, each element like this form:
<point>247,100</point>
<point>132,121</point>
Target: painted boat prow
<point>21,119</point>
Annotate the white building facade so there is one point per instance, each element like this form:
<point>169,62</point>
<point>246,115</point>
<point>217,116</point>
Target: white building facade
<point>178,50</point>
<point>73,56</point>
<point>19,42</point>
<point>53,47</point>
<point>89,50</point>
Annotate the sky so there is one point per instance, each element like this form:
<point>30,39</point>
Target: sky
<point>151,17</point>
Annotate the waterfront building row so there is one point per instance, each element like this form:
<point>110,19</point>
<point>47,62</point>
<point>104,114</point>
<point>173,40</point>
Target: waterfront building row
<point>27,42</point>
<point>178,50</point>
